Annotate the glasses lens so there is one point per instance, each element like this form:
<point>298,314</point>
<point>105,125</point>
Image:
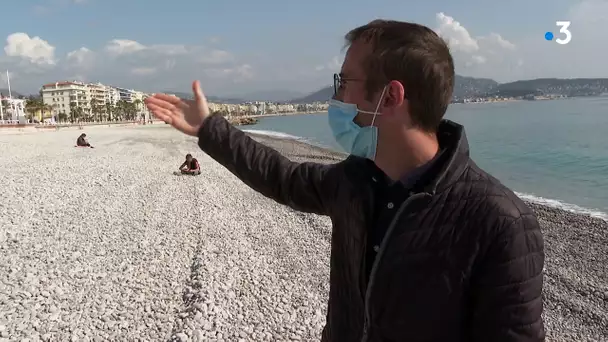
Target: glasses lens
<point>336,84</point>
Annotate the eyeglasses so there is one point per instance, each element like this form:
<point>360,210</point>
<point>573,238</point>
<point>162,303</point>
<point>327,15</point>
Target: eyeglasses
<point>340,81</point>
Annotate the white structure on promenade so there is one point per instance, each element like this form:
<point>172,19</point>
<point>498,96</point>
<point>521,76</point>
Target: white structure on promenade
<point>16,109</point>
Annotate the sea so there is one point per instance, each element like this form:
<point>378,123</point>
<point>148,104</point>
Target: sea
<point>552,152</point>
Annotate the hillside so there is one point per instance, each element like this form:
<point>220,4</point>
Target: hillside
<point>463,87</point>
<point>471,87</point>
<point>318,96</point>
<point>555,86</point>
<point>210,98</point>
<point>15,94</point>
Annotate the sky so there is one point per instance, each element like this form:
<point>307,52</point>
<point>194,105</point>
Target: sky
<point>239,47</point>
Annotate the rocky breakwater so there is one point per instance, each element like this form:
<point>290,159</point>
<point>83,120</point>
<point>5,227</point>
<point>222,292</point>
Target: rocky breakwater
<point>243,120</point>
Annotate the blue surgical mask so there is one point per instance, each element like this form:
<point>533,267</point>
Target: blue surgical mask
<point>356,140</point>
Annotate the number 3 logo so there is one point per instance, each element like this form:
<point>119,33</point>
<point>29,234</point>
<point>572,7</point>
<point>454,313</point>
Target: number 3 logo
<point>564,29</point>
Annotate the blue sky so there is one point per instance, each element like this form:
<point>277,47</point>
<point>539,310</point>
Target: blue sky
<point>239,46</point>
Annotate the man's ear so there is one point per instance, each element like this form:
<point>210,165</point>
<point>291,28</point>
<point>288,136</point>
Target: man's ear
<point>394,95</point>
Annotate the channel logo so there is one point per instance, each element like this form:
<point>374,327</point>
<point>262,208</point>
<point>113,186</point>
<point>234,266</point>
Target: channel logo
<point>563,25</point>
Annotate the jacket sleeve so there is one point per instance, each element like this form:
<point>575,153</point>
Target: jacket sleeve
<point>508,292</point>
<point>300,186</point>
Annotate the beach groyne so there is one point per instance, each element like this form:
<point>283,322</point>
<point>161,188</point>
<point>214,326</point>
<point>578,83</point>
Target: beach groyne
<point>125,250</point>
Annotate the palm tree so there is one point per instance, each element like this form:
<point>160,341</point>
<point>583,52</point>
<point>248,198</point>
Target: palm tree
<point>108,111</point>
<point>45,108</point>
<point>32,106</point>
<point>138,108</point>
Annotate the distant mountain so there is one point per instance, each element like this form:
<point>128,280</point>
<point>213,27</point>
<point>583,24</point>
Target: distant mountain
<point>471,87</point>
<point>318,96</point>
<point>15,94</point>
<point>465,87</point>
<point>210,98</point>
<point>271,95</point>
<point>553,86</point>
<point>265,96</point>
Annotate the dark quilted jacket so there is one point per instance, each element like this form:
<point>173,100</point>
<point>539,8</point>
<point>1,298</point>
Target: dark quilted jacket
<point>462,260</point>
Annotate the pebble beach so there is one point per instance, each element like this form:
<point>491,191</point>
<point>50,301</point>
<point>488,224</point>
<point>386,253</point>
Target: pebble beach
<point>107,244</point>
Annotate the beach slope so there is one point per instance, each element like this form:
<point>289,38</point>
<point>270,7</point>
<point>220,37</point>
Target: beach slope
<point>108,244</point>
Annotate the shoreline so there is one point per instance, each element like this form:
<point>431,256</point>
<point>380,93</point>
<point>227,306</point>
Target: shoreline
<point>576,265</point>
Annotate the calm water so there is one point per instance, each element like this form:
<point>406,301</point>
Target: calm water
<point>554,152</point>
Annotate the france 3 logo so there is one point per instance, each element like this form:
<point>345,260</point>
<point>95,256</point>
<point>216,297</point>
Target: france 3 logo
<point>564,29</point>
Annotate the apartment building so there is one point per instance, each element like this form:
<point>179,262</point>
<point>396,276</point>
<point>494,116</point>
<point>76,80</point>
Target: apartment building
<point>58,96</point>
<point>98,92</point>
<point>112,95</point>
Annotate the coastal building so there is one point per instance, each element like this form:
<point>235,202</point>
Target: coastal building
<point>98,92</point>
<point>112,95</point>
<point>125,94</point>
<point>59,95</point>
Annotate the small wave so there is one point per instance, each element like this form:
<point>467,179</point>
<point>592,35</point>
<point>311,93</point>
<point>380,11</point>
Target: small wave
<point>275,134</point>
<point>573,208</point>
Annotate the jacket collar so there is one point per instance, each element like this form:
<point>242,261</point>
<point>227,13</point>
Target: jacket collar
<point>454,160</point>
<point>448,167</point>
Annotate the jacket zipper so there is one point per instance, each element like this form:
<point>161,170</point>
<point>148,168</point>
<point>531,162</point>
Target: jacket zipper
<point>377,260</point>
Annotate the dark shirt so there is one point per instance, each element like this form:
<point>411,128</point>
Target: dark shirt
<point>388,197</point>
<point>81,141</point>
<point>193,165</point>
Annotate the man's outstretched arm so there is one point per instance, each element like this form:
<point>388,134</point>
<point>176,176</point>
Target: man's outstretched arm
<point>301,186</point>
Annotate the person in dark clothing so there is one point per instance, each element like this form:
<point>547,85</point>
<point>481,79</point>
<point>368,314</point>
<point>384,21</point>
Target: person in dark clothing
<point>190,166</point>
<point>426,246</point>
<point>82,141</point>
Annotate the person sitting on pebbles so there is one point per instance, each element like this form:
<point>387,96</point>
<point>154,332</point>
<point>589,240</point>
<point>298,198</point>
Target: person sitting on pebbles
<point>82,141</point>
<point>190,166</point>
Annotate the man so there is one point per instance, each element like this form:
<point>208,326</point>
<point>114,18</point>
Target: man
<point>190,166</point>
<point>426,246</point>
<point>82,141</point>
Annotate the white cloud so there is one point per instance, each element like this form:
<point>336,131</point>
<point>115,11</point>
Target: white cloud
<point>455,34</point>
<point>169,66</point>
<point>236,74</point>
<point>34,49</point>
<point>490,55</point>
<point>117,47</point>
<point>82,57</point>
<point>123,62</point>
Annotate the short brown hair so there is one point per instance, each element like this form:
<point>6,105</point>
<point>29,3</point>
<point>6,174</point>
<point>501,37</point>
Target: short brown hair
<point>415,56</point>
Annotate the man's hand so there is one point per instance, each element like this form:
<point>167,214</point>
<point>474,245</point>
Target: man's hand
<point>185,116</point>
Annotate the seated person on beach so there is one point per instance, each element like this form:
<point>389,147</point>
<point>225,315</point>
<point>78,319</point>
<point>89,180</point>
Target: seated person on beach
<point>82,141</point>
<point>190,166</point>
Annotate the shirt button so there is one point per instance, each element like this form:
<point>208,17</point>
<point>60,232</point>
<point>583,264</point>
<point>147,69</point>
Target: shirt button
<point>390,205</point>
<point>376,248</point>
<point>374,179</point>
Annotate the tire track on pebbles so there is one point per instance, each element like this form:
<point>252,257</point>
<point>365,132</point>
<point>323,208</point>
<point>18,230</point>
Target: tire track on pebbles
<point>260,272</point>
